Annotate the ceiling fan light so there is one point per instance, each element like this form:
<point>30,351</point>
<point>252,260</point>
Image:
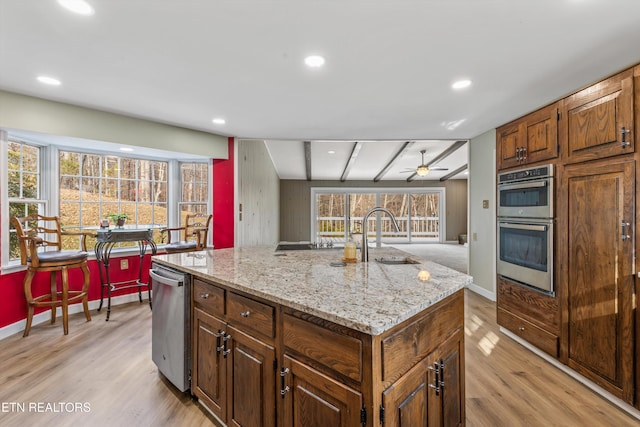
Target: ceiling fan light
<point>422,170</point>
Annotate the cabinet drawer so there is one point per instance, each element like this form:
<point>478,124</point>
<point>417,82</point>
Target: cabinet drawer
<point>208,298</point>
<point>246,313</point>
<point>529,332</point>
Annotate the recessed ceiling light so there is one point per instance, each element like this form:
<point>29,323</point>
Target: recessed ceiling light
<point>126,149</point>
<point>314,61</point>
<point>461,84</point>
<point>219,121</point>
<point>49,80</point>
<point>331,152</point>
<point>80,7</point>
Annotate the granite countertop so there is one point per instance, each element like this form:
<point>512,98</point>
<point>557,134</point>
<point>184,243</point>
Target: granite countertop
<point>369,297</point>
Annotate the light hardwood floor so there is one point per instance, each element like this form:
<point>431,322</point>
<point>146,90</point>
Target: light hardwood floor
<point>107,366</point>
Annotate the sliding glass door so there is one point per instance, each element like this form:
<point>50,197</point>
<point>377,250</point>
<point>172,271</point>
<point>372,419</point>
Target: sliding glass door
<point>338,212</point>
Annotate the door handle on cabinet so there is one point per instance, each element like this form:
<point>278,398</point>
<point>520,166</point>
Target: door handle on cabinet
<point>624,133</point>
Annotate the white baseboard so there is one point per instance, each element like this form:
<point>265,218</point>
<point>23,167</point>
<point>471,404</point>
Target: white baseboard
<point>573,374</point>
<point>491,296</point>
<point>73,308</point>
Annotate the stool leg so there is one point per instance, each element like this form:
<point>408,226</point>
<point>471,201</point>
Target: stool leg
<point>29,297</point>
<point>54,295</point>
<point>65,300</point>
<point>85,290</point>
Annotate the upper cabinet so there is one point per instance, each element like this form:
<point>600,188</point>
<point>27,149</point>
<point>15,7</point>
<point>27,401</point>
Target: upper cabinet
<point>529,139</point>
<point>598,120</point>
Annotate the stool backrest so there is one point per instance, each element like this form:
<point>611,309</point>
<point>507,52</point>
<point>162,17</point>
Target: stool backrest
<point>196,227</point>
<point>36,231</point>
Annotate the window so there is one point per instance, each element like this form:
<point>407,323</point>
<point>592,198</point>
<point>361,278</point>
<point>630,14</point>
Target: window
<point>93,186</point>
<point>83,187</point>
<point>419,214</point>
<point>24,186</point>
<point>194,195</point>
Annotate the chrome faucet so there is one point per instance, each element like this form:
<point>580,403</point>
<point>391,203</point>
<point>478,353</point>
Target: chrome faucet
<point>364,250</point>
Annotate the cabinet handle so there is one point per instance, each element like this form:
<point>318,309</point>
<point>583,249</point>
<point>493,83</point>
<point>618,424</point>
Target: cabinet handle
<point>518,156</point>
<point>204,296</point>
<point>225,350</point>
<point>521,328</point>
<point>283,389</point>
<point>218,336</point>
<point>625,236</point>
<point>624,133</point>
<point>436,369</point>
<point>524,154</point>
<point>245,313</point>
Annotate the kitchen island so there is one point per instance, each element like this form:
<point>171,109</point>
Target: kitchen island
<point>287,338</point>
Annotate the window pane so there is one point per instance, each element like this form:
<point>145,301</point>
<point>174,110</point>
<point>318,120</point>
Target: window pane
<point>13,155</point>
<point>69,188</point>
<point>359,205</point>
<point>69,163</point>
<point>330,210</point>
<point>90,165</point>
<point>127,168</point>
<point>110,167</point>
<point>202,172</point>
<point>14,184</point>
<point>128,190</point>
<point>30,158</point>
<point>398,205</point>
<point>109,189</point>
<point>160,192</point>
<point>425,216</point>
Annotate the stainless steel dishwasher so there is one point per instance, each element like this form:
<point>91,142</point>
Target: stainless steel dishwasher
<point>170,324</point>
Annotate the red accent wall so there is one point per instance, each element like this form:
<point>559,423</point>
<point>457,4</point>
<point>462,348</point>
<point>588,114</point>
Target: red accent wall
<point>223,204</point>
<point>13,306</point>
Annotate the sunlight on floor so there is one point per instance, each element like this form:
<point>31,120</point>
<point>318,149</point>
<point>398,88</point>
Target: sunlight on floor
<point>472,325</point>
<point>488,342</point>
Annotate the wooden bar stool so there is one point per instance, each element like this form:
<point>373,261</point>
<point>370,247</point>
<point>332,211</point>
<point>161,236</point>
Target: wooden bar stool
<point>194,234</point>
<point>38,231</point>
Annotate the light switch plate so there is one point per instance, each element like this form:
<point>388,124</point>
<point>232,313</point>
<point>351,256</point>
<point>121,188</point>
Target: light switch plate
<point>485,204</point>
<point>124,264</point>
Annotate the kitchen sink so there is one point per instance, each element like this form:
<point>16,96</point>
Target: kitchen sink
<point>396,260</point>
<point>293,246</point>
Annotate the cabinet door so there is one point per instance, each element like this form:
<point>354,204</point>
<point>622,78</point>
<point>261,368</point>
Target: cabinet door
<point>251,385</point>
<point>510,140</point>
<point>208,380</point>
<point>541,135</point>
<point>600,278</point>
<point>599,120</point>
<point>532,138</point>
<point>451,360</point>
<point>313,399</point>
<point>406,403</point>
<point>432,392</point>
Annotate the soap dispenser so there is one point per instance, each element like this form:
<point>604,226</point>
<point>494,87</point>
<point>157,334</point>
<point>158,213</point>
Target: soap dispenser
<point>350,250</point>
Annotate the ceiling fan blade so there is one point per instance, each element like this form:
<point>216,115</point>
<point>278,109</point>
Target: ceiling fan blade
<point>438,169</point>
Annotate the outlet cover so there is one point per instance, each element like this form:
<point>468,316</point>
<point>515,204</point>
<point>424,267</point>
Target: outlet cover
<point>485,204</point>
<point>124,264</point>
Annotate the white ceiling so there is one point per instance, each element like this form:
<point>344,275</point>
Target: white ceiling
<point>388,73</point>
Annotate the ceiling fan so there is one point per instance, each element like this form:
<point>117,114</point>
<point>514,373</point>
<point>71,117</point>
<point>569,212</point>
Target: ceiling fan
<point>423,169</point>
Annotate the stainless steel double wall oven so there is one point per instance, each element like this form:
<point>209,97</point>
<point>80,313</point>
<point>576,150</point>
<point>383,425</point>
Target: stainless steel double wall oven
<point>525,227</point>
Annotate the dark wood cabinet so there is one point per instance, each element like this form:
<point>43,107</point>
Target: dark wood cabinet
<point>314,399</point>
<point>531,315</point>
<point>430,394</point>
<point>293,369</point>
<point>598,207</point>
<point>251,381</point>
<point>529,139</point>
<point>598,121</point>
<point>233,373</point>
<point>209,370</point>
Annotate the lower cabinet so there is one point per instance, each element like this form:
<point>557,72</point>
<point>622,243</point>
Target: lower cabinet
<point>291,369</point>
<point>251,381</point>
<point>430,394</point>
<point>313,399</point>
<point>209,371</point>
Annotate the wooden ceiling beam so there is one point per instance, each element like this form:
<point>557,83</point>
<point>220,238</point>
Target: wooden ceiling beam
<point>454,173</point>
<point>386,168</point>
<point>307,158</point>
<point>352,158</point>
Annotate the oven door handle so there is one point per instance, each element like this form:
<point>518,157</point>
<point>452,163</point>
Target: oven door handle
<point>532,227</point>
<point>519,185</point>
